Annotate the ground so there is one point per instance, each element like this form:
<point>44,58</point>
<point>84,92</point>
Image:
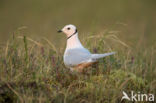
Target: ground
<point>32,71</point>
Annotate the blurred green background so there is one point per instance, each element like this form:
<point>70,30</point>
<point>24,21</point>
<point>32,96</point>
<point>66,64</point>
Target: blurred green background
<point>135,19</point>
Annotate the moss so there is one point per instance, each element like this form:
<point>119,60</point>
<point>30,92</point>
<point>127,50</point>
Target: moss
<point>126,80</point>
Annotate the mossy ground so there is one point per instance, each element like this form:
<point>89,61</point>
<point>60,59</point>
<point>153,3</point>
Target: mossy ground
<point>33,72</point>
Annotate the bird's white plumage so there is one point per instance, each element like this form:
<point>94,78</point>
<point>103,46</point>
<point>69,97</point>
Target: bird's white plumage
<point>75,53</point>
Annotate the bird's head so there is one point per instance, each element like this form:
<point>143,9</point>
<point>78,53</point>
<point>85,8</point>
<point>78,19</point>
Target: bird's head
<point>69,30</point>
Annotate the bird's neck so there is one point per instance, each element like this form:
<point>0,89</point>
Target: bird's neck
<point>74,42</point>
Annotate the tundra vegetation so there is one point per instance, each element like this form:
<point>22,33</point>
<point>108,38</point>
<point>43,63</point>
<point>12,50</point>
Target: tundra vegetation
<point>32,71</point>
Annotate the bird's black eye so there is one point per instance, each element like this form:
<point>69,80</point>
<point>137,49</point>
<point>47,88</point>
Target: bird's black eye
<point>68,28</point>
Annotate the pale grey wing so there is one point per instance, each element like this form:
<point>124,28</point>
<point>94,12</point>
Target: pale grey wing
<point>76,56</point>
<point>98,56</point>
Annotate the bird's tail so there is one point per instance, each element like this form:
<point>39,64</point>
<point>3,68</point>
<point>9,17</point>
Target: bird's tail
<point>98,56</point>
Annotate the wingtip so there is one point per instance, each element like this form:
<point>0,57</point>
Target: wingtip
<point>113,52</point>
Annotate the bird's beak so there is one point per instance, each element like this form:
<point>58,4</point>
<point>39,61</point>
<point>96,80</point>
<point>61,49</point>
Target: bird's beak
<point>59,31</point>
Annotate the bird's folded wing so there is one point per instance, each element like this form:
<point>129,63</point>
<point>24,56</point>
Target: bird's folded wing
<point>76,56</point>
<point>98,56</point>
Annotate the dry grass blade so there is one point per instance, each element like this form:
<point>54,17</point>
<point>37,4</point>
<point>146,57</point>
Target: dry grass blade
<point>124,83</point>
<point>115,38</point>
<point>37,43</point>
<point>95,36</point>
<point>53,47</point>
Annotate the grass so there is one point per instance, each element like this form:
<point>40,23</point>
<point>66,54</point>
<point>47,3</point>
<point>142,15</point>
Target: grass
<point>33,72</point>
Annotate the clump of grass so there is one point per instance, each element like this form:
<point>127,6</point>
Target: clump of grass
<point>33,71</point>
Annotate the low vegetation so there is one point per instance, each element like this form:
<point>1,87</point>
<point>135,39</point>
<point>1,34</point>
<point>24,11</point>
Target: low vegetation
<point>32,71</point>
